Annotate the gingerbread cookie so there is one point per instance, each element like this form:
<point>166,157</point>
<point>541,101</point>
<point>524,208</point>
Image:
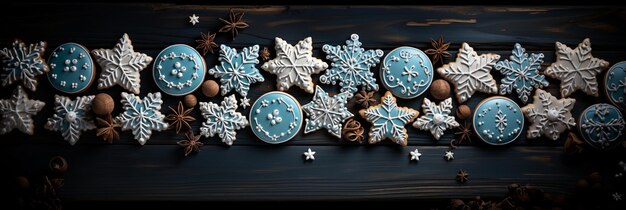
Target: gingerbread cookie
<point>576,68</point>
<point>276,117</point>
<point>549,116</point>
<point>521,73</point>
<point>142,116</point>
<point>179,70</point>
<point>602,126</point>
<point>17,112</point>
<point>498,120</point>
<point>326,112</point>
<point>388,120</point>
<point>121,65</point>
<point>294,65</point>
<point>470,73</point>
<point>71,118</point>
<point>71,68</point>
<point>222,120</point>
<point>615,84</point>
<point>436,118</point>
<point>24,63</point>
<point>406,72</point>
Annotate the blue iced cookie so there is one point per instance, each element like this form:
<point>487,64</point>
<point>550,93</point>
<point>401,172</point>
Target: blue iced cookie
<point>179,70</point>
<point>276,117</point>
<point>615,84</point>
<point>407,72</point>
<point>71,68</point>
<point>498,120</point>
<point>601,126</point>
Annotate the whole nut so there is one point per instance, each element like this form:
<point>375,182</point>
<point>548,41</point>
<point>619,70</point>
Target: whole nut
<point>440,89</point>
<point>22,184</point>
<point>102,104</point>
<point>463,112</point>
<point>58,165</point>
<point>190,100</point>
<point>210,88</point>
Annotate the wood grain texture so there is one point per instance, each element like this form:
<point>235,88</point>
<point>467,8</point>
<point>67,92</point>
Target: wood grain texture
<point>253,170</point>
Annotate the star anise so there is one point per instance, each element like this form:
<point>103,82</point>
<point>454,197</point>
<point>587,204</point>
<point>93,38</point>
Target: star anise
<point>265,54</point>
<point>235,22</point>
<point>191,144</point>
<point>180,117</point>
<point>462,176</point>
<point>353,131</point>
<point>366,99</point>
<point>573,144</point>
<point>108,130</point>
<point>439,51</point>
<point>207,43</point>
<point>465,132</point>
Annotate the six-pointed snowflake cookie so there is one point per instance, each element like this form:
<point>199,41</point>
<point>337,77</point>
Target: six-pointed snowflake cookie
<point>436,118</point>
<point>388,120</point>
<point>71,118</point>
<point>142,116</point>
<point>222,120</point>
<point>521,73</point>
<point>576,68</point>
<point>327,112</point>
<point>602,126</point>
<point>22,62</point>
<point>121,65</point>
<point>470,73</point>
<point>237,70</point>
<point>351,66</point>
<point>294,65</point>
<point>548,115</point>
<point>17,112</point>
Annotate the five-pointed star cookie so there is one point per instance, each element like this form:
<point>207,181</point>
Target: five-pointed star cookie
<point>576,68</point>
<point>17,112</point>
<point>327,112</point>
<point>121,65</point>
<point>470,73</point>
<point>388,120</point>
<point>549,116</point>
<point>294,65</point>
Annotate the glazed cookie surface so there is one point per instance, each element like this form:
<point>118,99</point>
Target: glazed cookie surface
<point>179,70</point>
<point>276,117</point>
<point>388,120</point>
<point>548,115</point>
<point>407,72</point>
<point>521,73</point>
<point>237,70</point>
<point>18,111</point>
<point>71,118</point>
<point>498,120</point>
<point>615,84</point>
<point>71,68</point>
<point>602,126</point>
<point>436,117</point>
<point>22,62</point>
<point>222,120</point>
<point>142,116</point>
<point>326,111</point>
<point>121,65</point>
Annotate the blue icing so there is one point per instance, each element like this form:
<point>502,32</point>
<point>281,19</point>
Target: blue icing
<point>601,126</point>
<point>407,72</point>
<point>276,117</point>
<point>179,70</point>
<point>615,82</point>
<point>71,68</point>
<point>498,120</point>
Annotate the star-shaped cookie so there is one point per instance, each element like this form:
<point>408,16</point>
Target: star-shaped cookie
<point>388,120</point>
<point>576,68</point>
<point>17,112</point>
<point>326,111</point>
<point>549,116</point>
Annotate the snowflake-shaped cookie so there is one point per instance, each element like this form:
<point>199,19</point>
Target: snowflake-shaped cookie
<point>71,117</point>
<point>327,112</point>
<point>237,70</point>
<point>17,112</point>
<point>576,68</point>
<point>351,66</point>
<point>549,116</point>
<point>142,116</point>
<point>470,73</point>
<point>388,120</point>
<point>521,73</point>
<point>436,118</point>
<point>24,63</point>
<point>294,65</point>
<point>121,65</point>
<point>222,120</point>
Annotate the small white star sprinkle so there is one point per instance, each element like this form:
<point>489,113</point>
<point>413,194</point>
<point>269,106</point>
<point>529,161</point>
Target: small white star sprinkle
<point>309,154</point>
<point>617,196</point>
<point>193,19</point>
<point>245,102</point>
<point>449,155</point>
<point>415,155</point>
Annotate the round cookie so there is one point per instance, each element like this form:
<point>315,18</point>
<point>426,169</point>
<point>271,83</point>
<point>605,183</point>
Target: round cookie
<point>71,68</point>
<point>179,70</point>
<point>498,120</point>
<point>407,72</point>
<point>276,117</point>
<point>615,83</point>
<point>601,126</point>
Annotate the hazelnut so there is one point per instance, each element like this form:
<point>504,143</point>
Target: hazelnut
<point>463,112</point>
<point>190,100</point>
<point>440,89</point>
<point>102,104</point>
<point>58,165</point>
<point>210,88</point>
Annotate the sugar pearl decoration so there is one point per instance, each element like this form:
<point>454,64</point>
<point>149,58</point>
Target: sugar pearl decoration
<point>103,104</point>
<point>463,112</point>
<point>440,89</point>
<point>210,88</point>
<point>190,100</point>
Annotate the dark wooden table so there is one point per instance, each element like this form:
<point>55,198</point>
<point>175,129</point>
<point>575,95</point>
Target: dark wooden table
<point>252,170</point>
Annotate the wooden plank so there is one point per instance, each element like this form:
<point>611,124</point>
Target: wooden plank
<point>161,173</point>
